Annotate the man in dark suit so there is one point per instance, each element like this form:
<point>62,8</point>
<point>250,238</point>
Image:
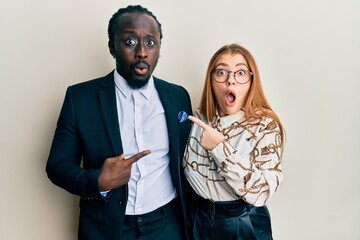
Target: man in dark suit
<point>119,142</point>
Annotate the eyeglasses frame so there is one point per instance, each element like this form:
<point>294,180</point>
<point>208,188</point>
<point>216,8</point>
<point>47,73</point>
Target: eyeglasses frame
<point>229,72</point>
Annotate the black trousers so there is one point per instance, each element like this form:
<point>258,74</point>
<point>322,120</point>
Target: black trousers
<point>162,224</point>
<point>227,220</point>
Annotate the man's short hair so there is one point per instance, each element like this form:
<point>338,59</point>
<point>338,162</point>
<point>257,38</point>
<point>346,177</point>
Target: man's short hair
<point>113,23</point>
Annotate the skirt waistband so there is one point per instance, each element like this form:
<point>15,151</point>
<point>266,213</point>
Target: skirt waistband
<point>228,208</point>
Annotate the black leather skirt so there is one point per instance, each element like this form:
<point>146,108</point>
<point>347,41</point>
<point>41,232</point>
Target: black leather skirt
<point>227,220</point>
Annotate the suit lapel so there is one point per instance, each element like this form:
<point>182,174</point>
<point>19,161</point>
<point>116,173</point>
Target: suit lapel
<point>169,105</point>
<point>170,113</point>
<point>109,114</point>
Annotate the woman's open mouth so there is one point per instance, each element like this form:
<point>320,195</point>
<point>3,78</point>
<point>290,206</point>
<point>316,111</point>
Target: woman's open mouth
<point>230,97</point>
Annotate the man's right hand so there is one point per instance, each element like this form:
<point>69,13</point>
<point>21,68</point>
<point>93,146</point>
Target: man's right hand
<point>116,171</point>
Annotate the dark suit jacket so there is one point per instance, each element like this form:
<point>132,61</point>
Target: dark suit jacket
<point>88,132</point>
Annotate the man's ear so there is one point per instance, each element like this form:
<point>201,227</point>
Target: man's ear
<point>111,48</point>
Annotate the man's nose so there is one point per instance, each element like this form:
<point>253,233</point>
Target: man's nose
<point>141,52</point>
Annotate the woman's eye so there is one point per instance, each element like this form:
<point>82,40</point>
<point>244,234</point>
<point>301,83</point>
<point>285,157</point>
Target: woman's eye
<point>221,72</point>
<point>130,42</point>
<point>241,72</point>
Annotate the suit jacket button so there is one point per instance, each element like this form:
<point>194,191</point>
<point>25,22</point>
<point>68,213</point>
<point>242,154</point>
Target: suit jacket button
<point>121,202</point>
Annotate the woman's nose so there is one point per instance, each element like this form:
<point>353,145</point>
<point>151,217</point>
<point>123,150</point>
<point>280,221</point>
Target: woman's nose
<point>231,80</point>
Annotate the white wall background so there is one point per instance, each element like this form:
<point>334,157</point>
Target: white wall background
<point>308,53</point>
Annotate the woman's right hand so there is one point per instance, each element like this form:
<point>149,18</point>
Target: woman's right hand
<point>210,137</point>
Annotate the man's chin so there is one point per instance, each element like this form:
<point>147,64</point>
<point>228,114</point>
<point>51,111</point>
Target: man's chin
<point>136,83</point>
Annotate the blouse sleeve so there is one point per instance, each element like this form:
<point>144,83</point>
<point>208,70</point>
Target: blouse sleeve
<point>254,175</point>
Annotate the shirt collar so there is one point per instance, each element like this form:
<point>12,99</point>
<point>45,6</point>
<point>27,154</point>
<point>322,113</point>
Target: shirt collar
<point>127,91</point>
<point>226,121</point>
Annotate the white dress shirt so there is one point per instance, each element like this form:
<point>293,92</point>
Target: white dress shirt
<point>143,126</point>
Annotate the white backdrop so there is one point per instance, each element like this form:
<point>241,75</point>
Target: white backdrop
<point>308,54</point>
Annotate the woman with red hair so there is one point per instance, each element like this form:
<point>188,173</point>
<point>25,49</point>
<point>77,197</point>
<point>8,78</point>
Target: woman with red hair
<point>233,157</point>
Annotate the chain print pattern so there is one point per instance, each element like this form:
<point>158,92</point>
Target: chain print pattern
<point>264,155</point>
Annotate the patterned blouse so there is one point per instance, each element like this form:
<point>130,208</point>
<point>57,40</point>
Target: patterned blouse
<point>246,165</point>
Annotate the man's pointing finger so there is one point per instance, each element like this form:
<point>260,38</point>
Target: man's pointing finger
<point>139,155</point>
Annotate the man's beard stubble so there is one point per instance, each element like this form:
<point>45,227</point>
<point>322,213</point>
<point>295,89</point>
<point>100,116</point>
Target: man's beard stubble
<point>137,83</point>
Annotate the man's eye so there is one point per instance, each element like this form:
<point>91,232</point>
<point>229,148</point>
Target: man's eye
<point>150,43</point>
<point>130,42</point>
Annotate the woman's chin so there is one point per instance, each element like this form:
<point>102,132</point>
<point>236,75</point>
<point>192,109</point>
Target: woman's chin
<point>228,111</point>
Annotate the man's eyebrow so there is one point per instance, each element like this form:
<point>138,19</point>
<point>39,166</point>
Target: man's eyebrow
<point>133,32</point>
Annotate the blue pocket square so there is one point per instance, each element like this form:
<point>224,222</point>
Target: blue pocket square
<point>182,116</point>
